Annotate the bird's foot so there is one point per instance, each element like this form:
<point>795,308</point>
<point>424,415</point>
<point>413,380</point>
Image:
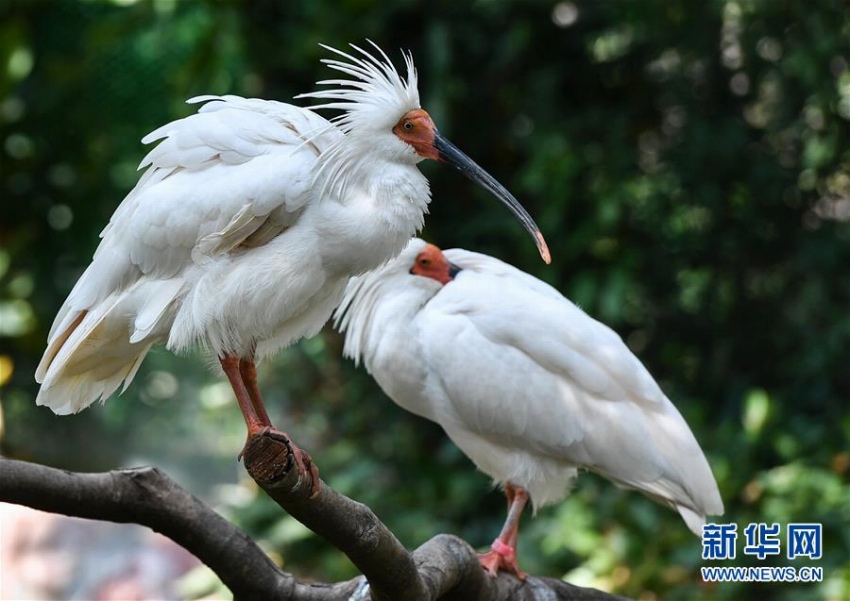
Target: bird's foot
<point>501,557</point>
<point>257,451</point>
<point>305,465</point>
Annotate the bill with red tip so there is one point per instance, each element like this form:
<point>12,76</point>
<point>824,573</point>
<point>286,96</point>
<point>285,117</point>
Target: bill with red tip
<point>452,155</point>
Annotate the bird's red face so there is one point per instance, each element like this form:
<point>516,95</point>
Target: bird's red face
<point>417,129</point>
<point>432,263</point>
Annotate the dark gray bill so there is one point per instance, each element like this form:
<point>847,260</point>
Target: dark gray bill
<point>451,154</point>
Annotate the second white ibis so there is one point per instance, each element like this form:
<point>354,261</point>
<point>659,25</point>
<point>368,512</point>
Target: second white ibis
<point>244,229</point>
<point>529,386</point>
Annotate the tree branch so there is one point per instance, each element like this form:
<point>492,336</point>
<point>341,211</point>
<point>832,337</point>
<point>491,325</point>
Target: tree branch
<point>348,525</point>
<point>449,567</point>
<point>148,497</point>
<point>444,568</point>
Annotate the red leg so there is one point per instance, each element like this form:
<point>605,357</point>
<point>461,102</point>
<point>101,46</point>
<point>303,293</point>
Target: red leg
<point>510,493</point>
<point>503,551</point>
<point>248,371</point>
<point>242,374</point>
<point>255,422</point>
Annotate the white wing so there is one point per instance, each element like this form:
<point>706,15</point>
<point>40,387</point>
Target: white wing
<point>236,174</point>
<point>524,369</point>
<point>517,309</point>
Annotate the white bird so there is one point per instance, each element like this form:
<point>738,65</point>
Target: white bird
<point>529,386</point>
<point>245,227</point>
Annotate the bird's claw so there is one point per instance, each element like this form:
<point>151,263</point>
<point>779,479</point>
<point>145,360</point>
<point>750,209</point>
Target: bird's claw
<point>304,464</point>
<point>500,557</point>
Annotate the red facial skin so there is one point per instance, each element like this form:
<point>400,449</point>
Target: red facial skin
<point>432,263</point>
<point>417,129</point>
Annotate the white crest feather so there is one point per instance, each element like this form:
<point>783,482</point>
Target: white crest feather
<point>376,98</point>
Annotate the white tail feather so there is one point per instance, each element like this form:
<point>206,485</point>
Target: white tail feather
<point>90,354</point>
<point>693,520</point>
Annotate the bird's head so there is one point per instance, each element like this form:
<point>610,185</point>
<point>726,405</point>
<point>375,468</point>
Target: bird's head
<point>431,263</point>
<point>375,101</point>
<point>393,293</point>
<point>381,109</point>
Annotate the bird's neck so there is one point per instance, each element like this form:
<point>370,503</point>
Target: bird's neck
<point>378,321</point>
<point>368,211</point>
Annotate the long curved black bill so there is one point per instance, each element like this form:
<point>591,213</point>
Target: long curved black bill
<point>451,154</point>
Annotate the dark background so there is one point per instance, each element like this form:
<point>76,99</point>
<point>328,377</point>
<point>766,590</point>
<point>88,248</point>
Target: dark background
<point>687,161</point>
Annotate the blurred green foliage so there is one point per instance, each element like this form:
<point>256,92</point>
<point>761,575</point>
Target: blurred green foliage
<point>687,161</point>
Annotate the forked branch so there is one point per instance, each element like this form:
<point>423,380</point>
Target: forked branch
<point>444,568</point>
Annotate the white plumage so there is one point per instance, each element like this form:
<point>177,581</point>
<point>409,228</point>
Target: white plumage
<point>243,231</point>
<point>530,387</point>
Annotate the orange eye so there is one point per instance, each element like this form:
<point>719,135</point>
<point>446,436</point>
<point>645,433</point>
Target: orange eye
<point>424,262</point>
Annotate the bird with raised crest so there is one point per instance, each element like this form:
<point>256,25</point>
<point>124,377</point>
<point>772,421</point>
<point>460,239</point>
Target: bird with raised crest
<point>242,232</point>
<point>530,387</point>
